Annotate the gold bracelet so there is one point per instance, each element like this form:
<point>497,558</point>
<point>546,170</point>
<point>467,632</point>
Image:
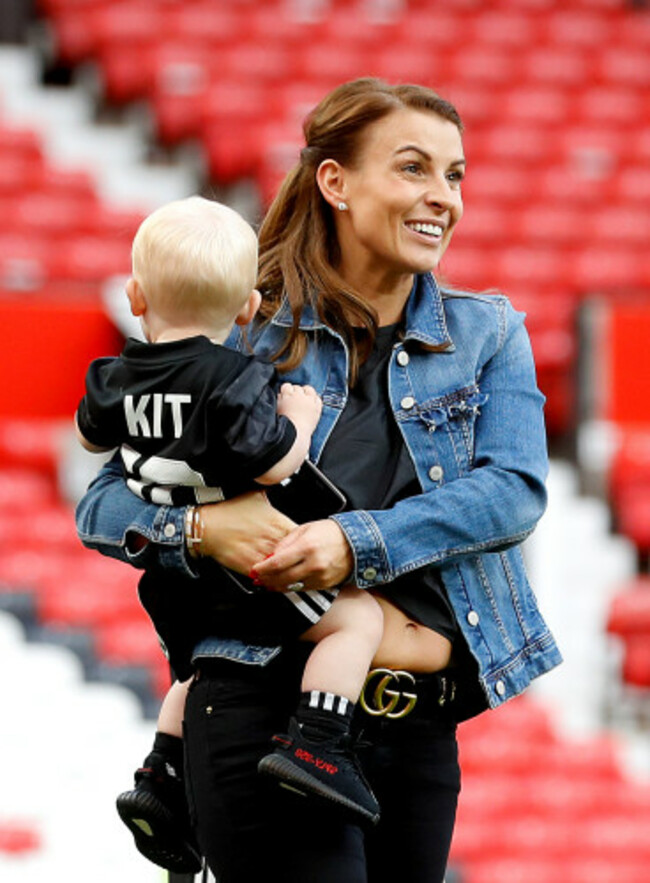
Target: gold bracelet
<point>194,531</point>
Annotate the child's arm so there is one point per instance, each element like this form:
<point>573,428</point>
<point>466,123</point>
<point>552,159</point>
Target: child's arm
<point>303,407</point>
<point>94,449</point>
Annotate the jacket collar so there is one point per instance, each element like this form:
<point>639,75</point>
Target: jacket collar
<point>425,316</point>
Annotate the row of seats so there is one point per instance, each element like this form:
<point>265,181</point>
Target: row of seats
<point>73,590</point>
<point>53,224</point>
<point>537,807</point>
<point>534,72</point>
<point>574,24</point>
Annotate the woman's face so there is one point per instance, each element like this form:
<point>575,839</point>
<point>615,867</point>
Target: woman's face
<point>403,196</point>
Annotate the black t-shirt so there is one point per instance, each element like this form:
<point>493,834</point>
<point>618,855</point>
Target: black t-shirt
<point>192,417</point>
<point>365,456</point>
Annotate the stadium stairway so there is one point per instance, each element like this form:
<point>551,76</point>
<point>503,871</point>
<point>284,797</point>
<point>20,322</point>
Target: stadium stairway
<point>67,748</point>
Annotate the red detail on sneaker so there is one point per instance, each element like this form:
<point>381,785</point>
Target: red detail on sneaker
<point>281,740</point>
<point>307,757</point>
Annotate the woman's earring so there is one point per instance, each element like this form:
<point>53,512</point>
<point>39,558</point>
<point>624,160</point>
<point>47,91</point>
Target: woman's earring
<point>342,206</point>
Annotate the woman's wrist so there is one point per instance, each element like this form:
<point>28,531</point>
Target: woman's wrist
<point>194,531</point>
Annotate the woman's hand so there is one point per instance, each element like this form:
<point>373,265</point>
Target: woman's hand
<point>240,531</point>
<point>316,555</point>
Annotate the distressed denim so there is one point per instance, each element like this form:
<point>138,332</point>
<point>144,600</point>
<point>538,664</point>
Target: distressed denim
<point>463,391</point>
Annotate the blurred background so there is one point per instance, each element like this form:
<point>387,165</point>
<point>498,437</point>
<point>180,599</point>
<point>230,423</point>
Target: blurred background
<point>110,108</point>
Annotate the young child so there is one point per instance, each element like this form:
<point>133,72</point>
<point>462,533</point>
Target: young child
<point>197,422</point>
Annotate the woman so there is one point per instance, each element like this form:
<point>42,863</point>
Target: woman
<point>433,427</point>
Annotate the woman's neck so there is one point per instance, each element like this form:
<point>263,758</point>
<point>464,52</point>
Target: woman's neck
<point>387,295</point>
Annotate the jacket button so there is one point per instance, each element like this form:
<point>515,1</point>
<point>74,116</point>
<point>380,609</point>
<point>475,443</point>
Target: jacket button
<point>403,358</point>
<point>369,573</point>
<point>473,618</point>
<point>169,530</point>
<point>500,687</point>
<point>407,402</point>
<point>436,473</point>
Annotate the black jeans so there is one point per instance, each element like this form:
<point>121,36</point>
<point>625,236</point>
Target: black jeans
<point>250,829</point>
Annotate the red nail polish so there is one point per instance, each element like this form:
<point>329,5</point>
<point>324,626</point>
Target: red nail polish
<point>253,574</point>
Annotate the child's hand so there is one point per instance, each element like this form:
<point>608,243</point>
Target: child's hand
<point>301,404</point>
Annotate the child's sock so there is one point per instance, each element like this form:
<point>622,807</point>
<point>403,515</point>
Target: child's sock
<point>324,714</point>
<point>167,750</point>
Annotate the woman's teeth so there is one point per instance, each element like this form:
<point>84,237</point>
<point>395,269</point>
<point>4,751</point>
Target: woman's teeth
<point>428,229</point>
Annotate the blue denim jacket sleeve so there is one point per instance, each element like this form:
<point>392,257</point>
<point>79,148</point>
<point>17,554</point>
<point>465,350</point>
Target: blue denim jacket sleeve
<point>109,512</point>
<point>491,505</point>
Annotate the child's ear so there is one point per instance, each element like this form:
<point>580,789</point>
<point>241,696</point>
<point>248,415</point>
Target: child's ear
<point>252,305</point>
<point>136,297</point>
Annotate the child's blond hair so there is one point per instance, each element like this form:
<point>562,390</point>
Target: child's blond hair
<point>196,257</point>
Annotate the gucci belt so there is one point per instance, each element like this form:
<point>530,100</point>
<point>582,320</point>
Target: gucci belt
<point>382,695</point>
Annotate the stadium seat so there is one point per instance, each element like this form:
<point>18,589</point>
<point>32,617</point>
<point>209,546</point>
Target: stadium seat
<point>487,66</point>
<point>208,23</point>
<point>181,75</point>
<point>610,104</point>
<point>511,142</point>
<point>624,66</point>
<point>556,66</point>
<point>632,514</point>
<point>585,28</point>
<point>19,837</point>
<point>410,63</point>
<point>632,183</point>
<point>539,104</point>
<point>506,27</point>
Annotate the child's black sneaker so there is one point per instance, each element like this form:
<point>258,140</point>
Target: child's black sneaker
<point>325,768</point>
<point>156,813</point>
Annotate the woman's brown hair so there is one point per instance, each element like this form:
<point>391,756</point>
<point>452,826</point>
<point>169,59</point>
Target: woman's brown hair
<point>299,250</point>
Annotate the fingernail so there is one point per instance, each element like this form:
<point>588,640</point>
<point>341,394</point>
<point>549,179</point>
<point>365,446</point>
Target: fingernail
<point>253,574</point>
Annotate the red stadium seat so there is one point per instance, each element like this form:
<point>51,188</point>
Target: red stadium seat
<point>632,183</point>
<point>207,23</point>
<point>632,511</point>
<point>258,61</point>
<point>535,264</point>
<point>584,28</point>
<point>407,63</point>
<point>557,66</point>
<point>32,443</point>
<point>181,73</point>
<point>627,223</point>
<point>507,27</point>
<point>539,104</point>
<point>89,258</point>
<point>629,612</point>
<point>510,142</point>
<point>555,224</point>
<point>611,104</point>
<point>19,838</point>
<point>474,106</point>
<point>501,183</point>
<point>624,66</point>
<point>433,32</point>
<point>485,66</point>
<point>595,268</point>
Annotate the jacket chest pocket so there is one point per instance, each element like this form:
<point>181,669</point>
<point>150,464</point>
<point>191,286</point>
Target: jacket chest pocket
<point>450,423</point>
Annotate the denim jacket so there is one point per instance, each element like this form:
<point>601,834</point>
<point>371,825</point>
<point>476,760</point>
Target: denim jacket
<point>463,391</point>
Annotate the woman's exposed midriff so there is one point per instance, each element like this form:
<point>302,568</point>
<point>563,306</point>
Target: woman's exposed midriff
<point>409,645</point>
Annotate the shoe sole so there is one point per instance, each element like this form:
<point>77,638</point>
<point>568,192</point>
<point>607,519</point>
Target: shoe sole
<point>155,833</point>
<point>297,779</point>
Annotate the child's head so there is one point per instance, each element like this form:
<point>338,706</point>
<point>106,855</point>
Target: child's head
<point>195,263</point>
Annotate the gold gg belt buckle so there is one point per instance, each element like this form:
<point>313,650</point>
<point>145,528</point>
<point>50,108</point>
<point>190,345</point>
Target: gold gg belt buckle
<point>378,700</point>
